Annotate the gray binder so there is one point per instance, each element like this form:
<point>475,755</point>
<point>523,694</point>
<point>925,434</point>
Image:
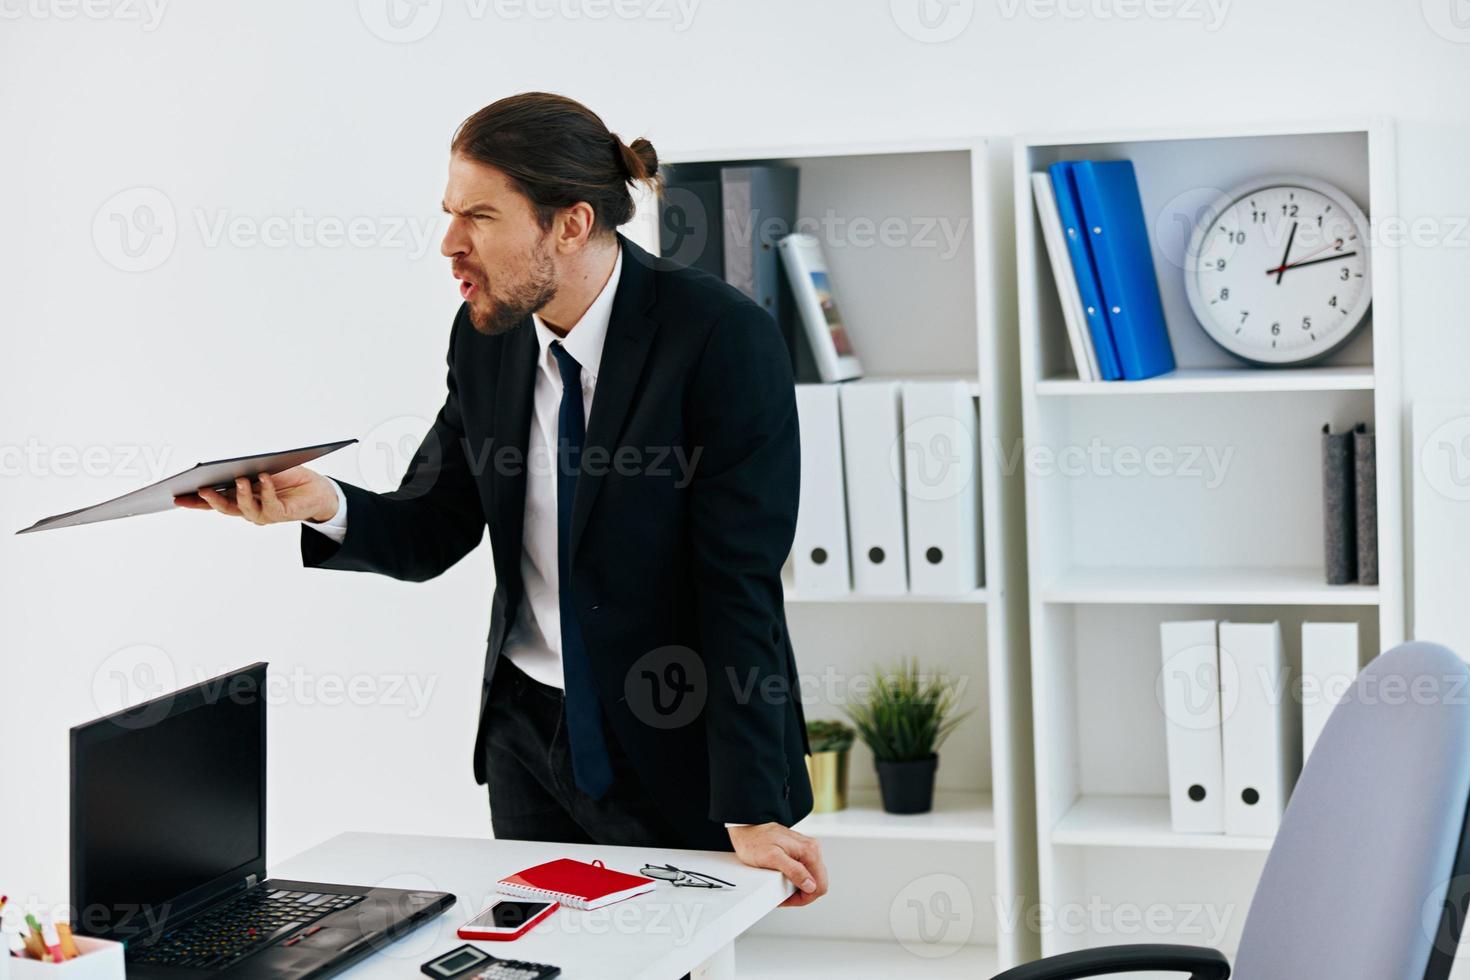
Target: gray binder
<point>690,230</point>
<point>1365,483</point>
<point>1339,528</point>
<point>759,209</point>
<point>219,474</point>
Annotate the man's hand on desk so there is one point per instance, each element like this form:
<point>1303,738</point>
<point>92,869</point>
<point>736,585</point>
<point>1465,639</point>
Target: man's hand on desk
<point>297,494</point>
<point>798,857</point>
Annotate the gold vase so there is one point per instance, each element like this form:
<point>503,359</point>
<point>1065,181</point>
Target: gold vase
<point>828,772</point>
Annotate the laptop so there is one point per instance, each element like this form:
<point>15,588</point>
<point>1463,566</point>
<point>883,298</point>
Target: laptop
<point>168,848</point>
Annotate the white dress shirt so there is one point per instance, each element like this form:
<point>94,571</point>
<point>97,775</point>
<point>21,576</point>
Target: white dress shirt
<point>534,641</point>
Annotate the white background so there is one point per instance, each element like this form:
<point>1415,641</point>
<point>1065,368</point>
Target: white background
<point>323,112</point>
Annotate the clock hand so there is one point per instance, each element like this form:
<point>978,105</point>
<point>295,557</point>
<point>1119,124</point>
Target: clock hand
<point>1335,243</point>
<point>1286,254</point>
<point>1297,265</point>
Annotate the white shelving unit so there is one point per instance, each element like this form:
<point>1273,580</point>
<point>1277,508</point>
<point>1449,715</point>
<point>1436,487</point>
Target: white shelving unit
<point>976,597</point>
<point>1137,821</point>
<point>1225,585</point>
<point>1208,380</point>
<point>1233,535</point>
<point>958,816</point>
<point>922,306</point>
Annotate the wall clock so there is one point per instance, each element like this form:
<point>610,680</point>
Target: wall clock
<point>1277,270</point>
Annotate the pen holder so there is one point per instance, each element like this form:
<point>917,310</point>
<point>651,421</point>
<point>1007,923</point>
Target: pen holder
<point>99,959</point>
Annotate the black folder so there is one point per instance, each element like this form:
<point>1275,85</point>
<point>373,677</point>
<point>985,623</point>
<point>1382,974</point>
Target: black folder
<point>156,497</point>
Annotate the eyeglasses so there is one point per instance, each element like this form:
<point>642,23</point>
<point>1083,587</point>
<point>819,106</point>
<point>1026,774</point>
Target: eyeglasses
<point>683,879</point>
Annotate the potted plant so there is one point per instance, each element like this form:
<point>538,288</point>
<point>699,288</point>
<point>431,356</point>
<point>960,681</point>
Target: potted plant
<point>827,765</point>
<point>904,719</point>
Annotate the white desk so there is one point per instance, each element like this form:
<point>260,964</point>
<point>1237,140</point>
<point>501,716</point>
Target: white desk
<point>659,936</point>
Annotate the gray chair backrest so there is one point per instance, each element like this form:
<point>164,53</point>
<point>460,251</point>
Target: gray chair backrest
<point>1366,879</point>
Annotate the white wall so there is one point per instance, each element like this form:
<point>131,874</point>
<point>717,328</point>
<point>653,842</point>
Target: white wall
<point>274,110</point>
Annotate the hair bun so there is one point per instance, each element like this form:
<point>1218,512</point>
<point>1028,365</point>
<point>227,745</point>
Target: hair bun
<point>639,159</point>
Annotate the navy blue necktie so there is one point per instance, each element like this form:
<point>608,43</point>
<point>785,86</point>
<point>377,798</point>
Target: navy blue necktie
<point>590,765</point>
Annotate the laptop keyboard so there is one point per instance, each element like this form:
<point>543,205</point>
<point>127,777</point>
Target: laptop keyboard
<point>224,935</point>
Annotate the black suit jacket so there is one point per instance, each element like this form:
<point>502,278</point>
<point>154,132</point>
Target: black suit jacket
<point>684,513</point>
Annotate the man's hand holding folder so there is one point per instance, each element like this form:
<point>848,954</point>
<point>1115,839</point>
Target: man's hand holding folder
<point>297,494</point>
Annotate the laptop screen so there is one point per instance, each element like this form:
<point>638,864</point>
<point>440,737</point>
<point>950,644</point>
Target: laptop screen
<point>168,804</point>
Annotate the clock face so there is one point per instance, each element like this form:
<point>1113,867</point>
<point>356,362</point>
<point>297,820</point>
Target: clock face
<point>1278,271</point>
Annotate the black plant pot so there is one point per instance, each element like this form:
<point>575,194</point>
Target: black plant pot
<point>907,787</point>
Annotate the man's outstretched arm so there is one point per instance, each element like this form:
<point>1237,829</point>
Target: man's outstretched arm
<point>416,532</point>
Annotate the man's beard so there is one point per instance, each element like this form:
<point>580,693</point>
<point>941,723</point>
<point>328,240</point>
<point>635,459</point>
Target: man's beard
<point>526,297</point>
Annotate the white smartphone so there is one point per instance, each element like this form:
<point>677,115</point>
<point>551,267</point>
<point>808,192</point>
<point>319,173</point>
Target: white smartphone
<point>506,918</point>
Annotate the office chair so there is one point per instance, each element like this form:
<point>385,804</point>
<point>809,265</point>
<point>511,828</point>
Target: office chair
<point>1369,875</point>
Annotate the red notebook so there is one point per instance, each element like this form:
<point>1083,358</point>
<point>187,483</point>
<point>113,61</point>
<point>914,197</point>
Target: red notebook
<point>576,884</point>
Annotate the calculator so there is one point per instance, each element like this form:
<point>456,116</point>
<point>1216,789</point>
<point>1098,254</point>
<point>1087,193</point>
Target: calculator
<point>472,963</point>
<point>516,970</point>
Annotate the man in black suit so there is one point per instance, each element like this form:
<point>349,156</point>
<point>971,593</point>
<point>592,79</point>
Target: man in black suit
<point>627,430</point>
